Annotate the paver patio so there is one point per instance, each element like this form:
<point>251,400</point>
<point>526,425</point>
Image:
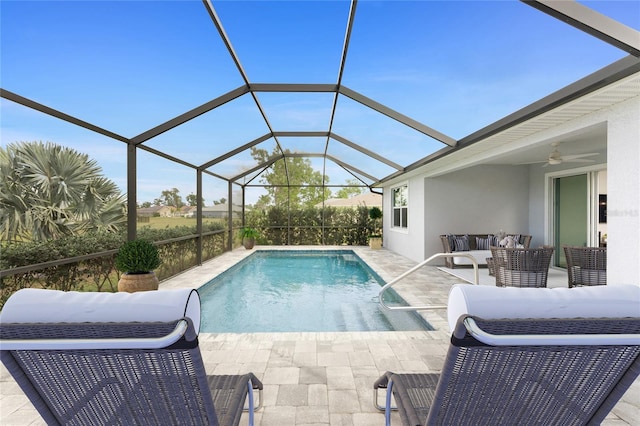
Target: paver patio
<point>321,378</point>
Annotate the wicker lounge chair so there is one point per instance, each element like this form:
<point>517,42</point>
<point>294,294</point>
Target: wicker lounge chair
<point>510,363</point>
<point>519,267</point>
<point>116,358</point>
<point>586,265</point>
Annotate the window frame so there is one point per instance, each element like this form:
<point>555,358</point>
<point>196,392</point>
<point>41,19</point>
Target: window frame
<point>403,224</point>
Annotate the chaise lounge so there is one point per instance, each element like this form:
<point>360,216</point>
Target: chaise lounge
<point>118,358</point>
<point>520,356</point>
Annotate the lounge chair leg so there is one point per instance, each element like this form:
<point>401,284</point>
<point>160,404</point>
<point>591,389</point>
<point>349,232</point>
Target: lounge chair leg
<point>257,407</point>
<point>250,396</point>
<point>381,383</point>
<point>387,408</point>
<point>375,400</point>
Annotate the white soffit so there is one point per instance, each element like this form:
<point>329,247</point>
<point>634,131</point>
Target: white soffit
<point>513,138</point>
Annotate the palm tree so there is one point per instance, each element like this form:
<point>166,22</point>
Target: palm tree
<point>48,190</point>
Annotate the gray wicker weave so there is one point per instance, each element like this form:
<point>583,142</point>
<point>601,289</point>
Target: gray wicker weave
<point>491,267</point>
<point>167,386</point>
<point>586,266</point>
<point>516,384</point>
<point>519,267</point>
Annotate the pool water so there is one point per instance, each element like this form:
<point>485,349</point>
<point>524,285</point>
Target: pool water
<point>282,291</point>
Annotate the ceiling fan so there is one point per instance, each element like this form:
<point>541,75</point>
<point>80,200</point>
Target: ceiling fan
<point>556,157</point>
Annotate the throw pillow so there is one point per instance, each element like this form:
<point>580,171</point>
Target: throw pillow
<point>461,243</point>
<point>482,243</point>
<point>452,244</point>
<point>494,240</point>
<point>516,237</point>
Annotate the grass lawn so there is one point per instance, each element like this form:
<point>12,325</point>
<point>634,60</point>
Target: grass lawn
<point>173,222</point>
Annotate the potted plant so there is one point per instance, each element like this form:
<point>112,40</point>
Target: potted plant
<point>137,259</point>
<point>375,239</point>
<point>248,236</point>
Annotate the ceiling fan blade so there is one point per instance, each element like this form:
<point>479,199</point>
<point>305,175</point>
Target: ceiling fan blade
<point>578,160</point>
<point>531,162</point>
<point>573,157</point>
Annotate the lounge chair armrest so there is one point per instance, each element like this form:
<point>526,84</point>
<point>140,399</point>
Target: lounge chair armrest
<point>255,382</point>
<point>93,344</point>
<point>382,381</point>
<point>548,339</point>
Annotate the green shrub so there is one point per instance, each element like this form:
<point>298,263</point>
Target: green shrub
<point>375,214</point>
<point>249,233</point>
<point>137,257</point>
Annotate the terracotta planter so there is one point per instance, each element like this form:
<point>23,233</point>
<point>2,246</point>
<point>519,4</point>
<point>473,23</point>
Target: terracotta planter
<point>375,243</point>
<point>138,282</point>
<point>248,243</point>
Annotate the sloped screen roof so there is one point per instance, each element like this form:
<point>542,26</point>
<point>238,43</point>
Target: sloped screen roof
<point>361,89</point>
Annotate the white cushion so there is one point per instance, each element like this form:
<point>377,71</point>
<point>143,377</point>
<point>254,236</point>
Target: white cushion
<point>479,255</point>
<point>32,305</point>
<point>610,301</point>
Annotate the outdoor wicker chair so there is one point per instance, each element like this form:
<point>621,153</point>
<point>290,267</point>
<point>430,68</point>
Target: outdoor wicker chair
<point>586,266</point>
<point>509,362</point>
<point>521,267</point>
<point>118,358</point>
<point>491,266</point>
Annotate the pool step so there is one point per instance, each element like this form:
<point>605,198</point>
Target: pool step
<point>406,321</point>
<point>355,319</point>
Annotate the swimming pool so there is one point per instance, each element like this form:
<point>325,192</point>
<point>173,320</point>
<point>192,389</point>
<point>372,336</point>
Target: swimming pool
<point>300,290</point>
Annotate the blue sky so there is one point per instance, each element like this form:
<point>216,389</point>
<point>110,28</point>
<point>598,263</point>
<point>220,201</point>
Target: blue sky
<point>128,66</point>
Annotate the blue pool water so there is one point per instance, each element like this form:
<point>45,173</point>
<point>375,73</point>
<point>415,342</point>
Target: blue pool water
<point>280,291</point>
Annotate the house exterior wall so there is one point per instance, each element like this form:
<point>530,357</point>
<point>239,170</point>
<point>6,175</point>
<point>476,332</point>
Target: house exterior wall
<point>466,201</point>
<point>623,188</point>
<point>163,211</point>
<point>473,200</point>
<point>623,193</point>
<point>408,242</point>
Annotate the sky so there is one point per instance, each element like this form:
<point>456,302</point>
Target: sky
<point>128,66</point>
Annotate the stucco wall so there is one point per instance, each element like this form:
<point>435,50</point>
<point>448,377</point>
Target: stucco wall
<point>622,188</point>
<point>623,193</point>
<point>407,242</point>
<point>476,203</point>
<point>467,201</point>
<point>472,200</point>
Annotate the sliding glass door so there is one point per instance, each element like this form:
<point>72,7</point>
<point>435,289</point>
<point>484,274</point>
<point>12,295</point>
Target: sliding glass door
<point>571,214</point>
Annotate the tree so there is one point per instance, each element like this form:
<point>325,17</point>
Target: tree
<point>291,180</point>
<point>350,191</point>
<point>48,191</point>
<point>192,200</point>
<point>171,198</point>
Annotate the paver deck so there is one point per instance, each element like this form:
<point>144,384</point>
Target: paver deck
<point>321,378</point>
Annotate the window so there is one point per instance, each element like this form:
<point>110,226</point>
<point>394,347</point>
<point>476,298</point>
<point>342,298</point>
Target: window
<point>400,203</point>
